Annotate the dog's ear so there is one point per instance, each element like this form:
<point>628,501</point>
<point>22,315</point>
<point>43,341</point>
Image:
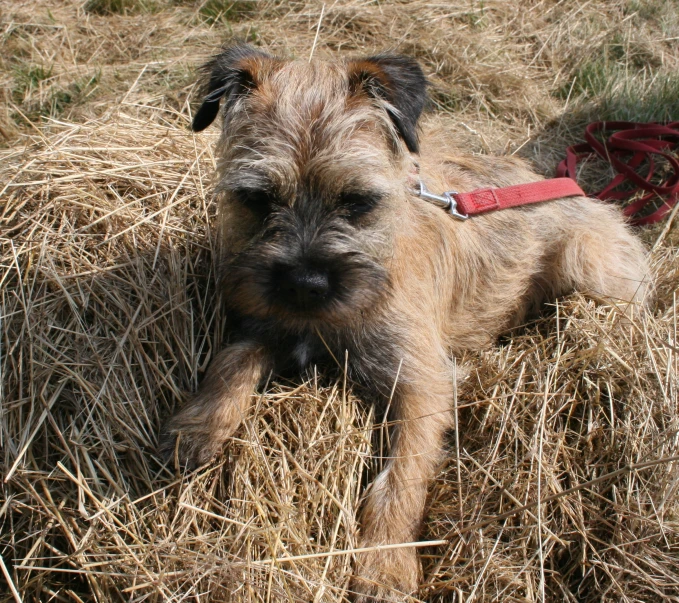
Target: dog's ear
<point>398,80</point>
<point>230,74</point>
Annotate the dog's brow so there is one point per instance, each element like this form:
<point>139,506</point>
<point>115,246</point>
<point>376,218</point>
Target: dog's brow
<point>361,191</point>
<point>250,181</point>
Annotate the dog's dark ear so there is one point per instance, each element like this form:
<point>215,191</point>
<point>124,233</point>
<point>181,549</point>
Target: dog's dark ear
<point>230,74</point>
<point>400,81</point>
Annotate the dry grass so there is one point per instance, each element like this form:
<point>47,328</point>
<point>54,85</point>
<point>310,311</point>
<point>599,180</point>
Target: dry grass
<point>562,479</point>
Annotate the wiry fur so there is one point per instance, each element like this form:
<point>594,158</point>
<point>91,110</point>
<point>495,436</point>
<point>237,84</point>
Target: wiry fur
<point>410,286</point>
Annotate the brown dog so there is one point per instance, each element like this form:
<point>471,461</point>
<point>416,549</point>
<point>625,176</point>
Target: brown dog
<point>325,244</point>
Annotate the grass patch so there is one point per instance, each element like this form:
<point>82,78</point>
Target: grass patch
<point>476,16</point>
<point>645,98</point>
<point>225,11</point>
<point>445,99</point>
<point>646,9</point>
<point>39,93</point>
<point>30,78</point>
<point>625,77</point>
<point>590,80</point>
<point>617,94</point>
<point>119,7</point>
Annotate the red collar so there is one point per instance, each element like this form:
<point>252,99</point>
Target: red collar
<point>480,201</point>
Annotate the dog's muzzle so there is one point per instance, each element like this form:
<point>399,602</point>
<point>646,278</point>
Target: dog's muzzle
<point>303,288</point>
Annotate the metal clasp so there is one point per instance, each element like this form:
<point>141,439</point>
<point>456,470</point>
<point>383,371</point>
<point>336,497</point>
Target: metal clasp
<point>445,201</point>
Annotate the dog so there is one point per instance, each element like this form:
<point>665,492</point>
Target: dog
<point>327,250</point>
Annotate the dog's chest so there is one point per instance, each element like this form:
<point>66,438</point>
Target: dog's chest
<point>306,351</point>
<point>295,352</point>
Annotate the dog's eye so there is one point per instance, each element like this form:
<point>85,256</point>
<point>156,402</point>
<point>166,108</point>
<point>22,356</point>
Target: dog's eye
<point>358,204</point>
<point>256,200</point>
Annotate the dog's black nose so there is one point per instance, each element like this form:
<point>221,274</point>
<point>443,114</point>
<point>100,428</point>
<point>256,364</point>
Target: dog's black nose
<point>304,288</point>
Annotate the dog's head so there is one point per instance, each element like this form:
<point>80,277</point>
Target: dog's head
<point>310,179</point>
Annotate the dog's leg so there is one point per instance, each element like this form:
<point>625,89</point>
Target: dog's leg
<point>395,502</point>
<point>200,428</point>
<point>601,257</point>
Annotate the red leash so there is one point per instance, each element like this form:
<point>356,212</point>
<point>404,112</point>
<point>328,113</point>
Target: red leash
<point>625,149</point>
<point>632,141</point>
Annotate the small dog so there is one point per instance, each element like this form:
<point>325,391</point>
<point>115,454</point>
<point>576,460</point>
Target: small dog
<point>326,249</point>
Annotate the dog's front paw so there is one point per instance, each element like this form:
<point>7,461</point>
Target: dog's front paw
<point>386,575</point>
<point>187,445</point>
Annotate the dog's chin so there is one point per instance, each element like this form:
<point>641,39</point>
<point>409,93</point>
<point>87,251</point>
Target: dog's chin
<point>333,315</point>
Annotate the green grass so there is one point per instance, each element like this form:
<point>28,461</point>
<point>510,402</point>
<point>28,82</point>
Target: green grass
<point>54,99</point>
<point>29,78</point>
<point>646,9</point>
<point>622,92</point>
<point>119,7</point>
<point>643,98</point>
<point>588,81</point>
<point>446,99</point>
<point>214,11</point>
<point>624,78</point>
<point>477,16</point>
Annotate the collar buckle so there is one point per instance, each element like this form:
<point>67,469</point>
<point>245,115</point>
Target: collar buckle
<point>445,201</point>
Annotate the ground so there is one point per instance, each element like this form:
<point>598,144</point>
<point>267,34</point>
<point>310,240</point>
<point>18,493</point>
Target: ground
<point>561,481</point>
